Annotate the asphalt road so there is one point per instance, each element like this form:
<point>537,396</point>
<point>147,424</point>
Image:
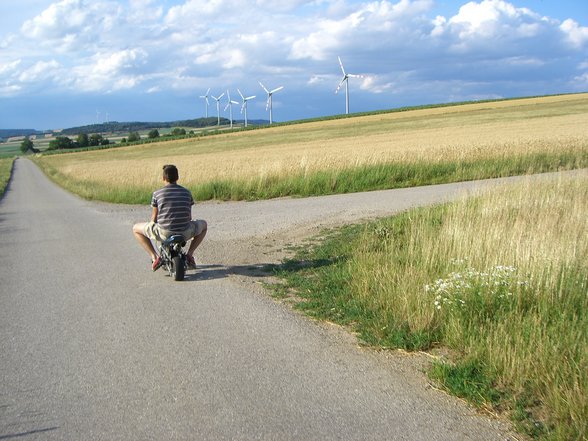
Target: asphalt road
<point>94,346</point>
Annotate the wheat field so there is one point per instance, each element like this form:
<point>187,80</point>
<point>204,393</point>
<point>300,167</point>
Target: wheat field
<point>464,132</point>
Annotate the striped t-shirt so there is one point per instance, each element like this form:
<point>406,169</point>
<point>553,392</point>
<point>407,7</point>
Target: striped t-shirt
<point>174,207</point>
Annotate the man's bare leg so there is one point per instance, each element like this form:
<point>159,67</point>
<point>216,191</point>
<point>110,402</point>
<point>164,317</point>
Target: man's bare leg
<point>196,242</point>
<point>144,240</point>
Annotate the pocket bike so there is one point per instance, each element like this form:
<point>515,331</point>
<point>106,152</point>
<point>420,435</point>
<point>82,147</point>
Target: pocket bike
<point>173,257</point>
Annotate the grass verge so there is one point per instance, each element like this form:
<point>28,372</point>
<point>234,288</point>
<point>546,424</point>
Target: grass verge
<point>388,176</point>
<point>499,279</point>
<point>336,181</point>
<point>5,172</point>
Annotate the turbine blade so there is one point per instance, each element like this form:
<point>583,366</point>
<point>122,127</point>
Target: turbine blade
<point>266,91</point>
<point>341,64</point>
<point>208,91</point>
<point>250,97</point>
<point>275,90</point>
<point>240,94</point>
<point>340,84</point>
<point>221,95</point>
<point>267,103</point>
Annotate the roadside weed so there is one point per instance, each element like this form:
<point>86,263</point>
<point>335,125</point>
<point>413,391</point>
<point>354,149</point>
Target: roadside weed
<point>482,295</point>
<point>499,278</point>
<point>5,170</point>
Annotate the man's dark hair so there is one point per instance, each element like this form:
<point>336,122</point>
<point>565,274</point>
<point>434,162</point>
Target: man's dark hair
<point>170,173</point>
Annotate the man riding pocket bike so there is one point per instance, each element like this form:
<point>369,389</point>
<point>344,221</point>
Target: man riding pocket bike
<point>172,214</point>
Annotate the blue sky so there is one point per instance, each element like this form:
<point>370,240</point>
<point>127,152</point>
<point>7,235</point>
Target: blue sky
<point>66,63</point>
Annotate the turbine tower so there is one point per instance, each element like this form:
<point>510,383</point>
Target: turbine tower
<point>230,107</point>
<point>218,106</point>
<point>206,99</point>
<point>345,80</point>
<point>244,106</point>
<point>269,99</point>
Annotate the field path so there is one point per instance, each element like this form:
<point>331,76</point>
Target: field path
<point>94,346</point>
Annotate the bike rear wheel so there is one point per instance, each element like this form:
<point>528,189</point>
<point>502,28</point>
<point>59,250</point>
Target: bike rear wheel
<point>178,268</point>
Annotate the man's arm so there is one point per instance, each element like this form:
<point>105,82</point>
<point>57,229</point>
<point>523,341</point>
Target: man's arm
<point>154,214</point>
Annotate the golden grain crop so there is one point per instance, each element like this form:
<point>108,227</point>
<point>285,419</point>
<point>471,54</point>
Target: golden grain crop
<point>451,133</point>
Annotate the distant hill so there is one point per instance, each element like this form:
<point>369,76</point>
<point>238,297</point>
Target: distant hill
<point>9,133</point>
<point>136,126</point>
<point>125,127</point>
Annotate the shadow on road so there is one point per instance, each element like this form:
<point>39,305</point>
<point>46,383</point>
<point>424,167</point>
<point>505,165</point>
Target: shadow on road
<point>212,272</point>
<point>26,434</point>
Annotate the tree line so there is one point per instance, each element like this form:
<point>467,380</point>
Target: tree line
<point>84,140</point>
<point>114,126</point>
<point>64,142</point>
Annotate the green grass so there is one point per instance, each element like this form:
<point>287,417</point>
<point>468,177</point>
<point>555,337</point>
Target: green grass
<point>499,279</point>
<point>388,176</point>
<point>9,150</point>
<point>337,181</point>
<point>470,379</point>
<point>5,171</point>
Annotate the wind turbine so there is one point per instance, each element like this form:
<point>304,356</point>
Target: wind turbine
<point>218,106</point>
<point>230,106</point>
<point>206,98</point>
<point>269,98</point>
<point>345,80</point>
<point>244,106</point>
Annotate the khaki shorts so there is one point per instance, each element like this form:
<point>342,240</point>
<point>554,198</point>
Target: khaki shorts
<point>154,231</point>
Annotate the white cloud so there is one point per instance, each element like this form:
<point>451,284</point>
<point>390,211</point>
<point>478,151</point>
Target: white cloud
<point>371,25</point>
<point>234,58</point>
<point>11,67</point>
<point>101,46</point>
<point>144,10</point>
<point>490,23</point>
<point>577,35</point>
<point>580,82</point>
<point>376,84</point>
<point>110,72</point>
<point>320,79</point>
<point>41,70</point>
<point>195,11</point>
<point>7,41</point>
<point>483,18</point>
<point>9,90</point>
<point>524,61</point>
<point>73,25</point>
